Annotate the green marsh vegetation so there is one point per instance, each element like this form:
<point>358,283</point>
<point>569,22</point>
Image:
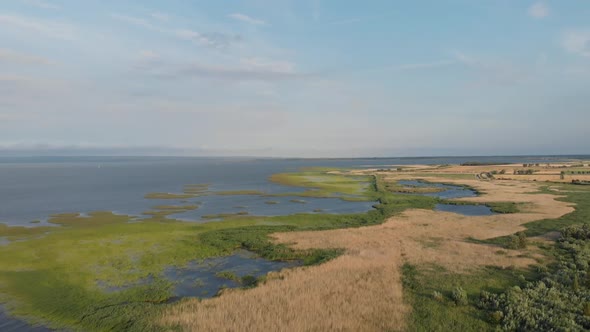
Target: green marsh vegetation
<point>168,196</point>
<point>409,189</point>
<point>89,272</point>
<point>446,301</point>
<point>225,215</point>
<point>496,207</point>
<point>300,201</point>
<point>189,191</point>
<point>325,182</point>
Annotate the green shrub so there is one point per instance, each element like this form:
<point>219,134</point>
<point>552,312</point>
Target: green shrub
<point>459,295</point>
<point>496,316</point>
<point>556,302</point>
<point>438,296</point>
<point>518,241</point>
<point>249,281</point>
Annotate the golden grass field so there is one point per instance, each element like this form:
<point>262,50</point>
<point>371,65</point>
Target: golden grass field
<point>362,289</point>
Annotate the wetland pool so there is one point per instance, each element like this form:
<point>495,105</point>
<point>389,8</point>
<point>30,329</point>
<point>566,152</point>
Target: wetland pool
<point>449,191</point>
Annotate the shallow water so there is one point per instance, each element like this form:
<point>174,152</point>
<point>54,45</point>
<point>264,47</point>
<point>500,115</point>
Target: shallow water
<point>200,279</point>
<point>34,188</point>
<point>466,210</point>
<point>11,324</point>
<point>259,206</point>
<point>449,191</point>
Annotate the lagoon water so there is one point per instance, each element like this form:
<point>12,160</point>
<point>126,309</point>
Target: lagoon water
<point>34,188</point>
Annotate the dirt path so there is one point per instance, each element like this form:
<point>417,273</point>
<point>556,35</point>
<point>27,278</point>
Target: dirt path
<point>362,289</point>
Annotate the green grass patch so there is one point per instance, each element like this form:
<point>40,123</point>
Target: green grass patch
<point>300,201</point>
<point>497,207</point>
<point>323,183</point>
<point>195,189</point>
<point>440,312</point>
<point>504,207</point>
<point>225,215</point>
<point>229,275</point>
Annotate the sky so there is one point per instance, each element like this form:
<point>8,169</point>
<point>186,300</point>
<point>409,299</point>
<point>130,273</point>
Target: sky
<point>295,78</point>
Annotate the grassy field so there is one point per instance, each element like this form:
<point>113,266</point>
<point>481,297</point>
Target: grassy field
<point>442,313</point>
<point>497,207</point>
<point>327,183</point>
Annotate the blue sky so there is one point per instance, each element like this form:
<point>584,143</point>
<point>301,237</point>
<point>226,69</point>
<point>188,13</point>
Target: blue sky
<point>295,78</point>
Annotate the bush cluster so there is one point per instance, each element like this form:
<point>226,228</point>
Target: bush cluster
<point>518,241</point>
<point>459,295</point>
<point>559,301</point>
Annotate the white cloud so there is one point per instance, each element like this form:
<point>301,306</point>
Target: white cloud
<point>247,19</point>
<point>215,40</point>
<point>16,57</point>
<point>247,70</point>
<point>41,4</point>
<point>274,66</point>
<point>163,17</point>
<point>539,10</point>
<point>577,42</point>
<point>48,28</point>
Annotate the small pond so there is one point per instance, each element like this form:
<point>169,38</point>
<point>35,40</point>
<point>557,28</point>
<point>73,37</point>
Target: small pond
<point>204,278</point>
<point>466,210</point>
<point>449,191</point>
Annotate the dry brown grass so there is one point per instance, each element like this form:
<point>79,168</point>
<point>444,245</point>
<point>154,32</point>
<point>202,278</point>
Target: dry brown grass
<point>362,290</point>
<point>350,293</point>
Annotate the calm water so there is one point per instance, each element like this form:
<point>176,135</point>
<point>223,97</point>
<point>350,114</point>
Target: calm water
<point>466,210</point>
<point>10,324</point>
<point>34,188</point>
<point>200,278</point>
<point>448,191</point>
<point>451,192</point>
